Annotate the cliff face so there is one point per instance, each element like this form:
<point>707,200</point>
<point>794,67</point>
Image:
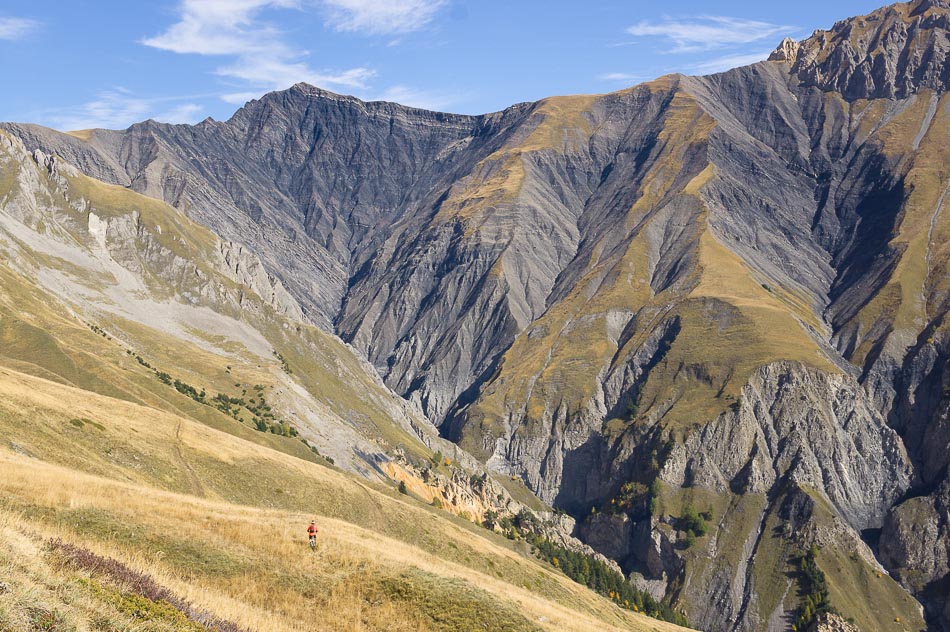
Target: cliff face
<point>730,290</point>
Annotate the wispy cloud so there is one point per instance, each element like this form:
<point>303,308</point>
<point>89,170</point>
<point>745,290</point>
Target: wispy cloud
<point>261,58</point>
<point>424,99</point>
<point>118,108</point>
<point>381,16</point>
<point>720,64</point>
<point>16,28</point>
<point>621,77</point>
<point>708,32</point>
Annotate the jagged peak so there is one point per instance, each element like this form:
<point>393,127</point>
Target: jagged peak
<point>922,6</point>
<point>892,52</point>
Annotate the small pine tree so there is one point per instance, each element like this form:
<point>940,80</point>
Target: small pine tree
<point>402,487</point>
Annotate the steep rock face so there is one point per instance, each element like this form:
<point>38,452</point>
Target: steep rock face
<point>799,429</point>
<point>245,268</point>
<point>915,544</point>
<point>313,179</point>
<point>801,426</point>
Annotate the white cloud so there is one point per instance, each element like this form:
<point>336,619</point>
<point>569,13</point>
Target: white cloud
<point>622,77</point>
<point>708,32</point>
<point>220,27</point>
<point>272,74</point>
<point>16,28</point>
<point>262,60</point>
<point>189,113</point>
<point>727,62</point>
<point>423,99</point>
<point>119,108</point>
<point>239,98</point>
<point>381,16</point>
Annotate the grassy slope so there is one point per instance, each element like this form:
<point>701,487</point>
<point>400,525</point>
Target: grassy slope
<point>858,589</point>
<point>113,483</point>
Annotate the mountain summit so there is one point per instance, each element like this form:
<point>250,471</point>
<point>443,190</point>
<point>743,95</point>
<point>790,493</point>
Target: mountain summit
<point>705,316</point>
<point>891,53</point>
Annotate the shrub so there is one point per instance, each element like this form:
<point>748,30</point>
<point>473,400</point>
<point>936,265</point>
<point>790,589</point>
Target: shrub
<point>42,620</point>
<point>654,496</point>
<point>402,487</point>
<point>690,539</point>
<point>143,597</point>
<point>81,422</point>
<point>691,521</point>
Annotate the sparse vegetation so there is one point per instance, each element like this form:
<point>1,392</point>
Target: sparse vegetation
<point>635,499</point>
<point>263,418</point>
<point>283,363</point>
<point>82,422</point>
<point>99,330</point>
<point>134,593</point>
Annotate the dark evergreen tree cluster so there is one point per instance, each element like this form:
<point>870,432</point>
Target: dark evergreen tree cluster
<point>815,601</point>
<point>596,575</point>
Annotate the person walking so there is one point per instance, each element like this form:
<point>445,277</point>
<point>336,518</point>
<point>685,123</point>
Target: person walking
<point>312,534</point>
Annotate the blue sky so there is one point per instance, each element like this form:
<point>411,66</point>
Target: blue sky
<point>87,63</point>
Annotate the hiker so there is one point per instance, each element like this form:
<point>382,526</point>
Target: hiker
<point>312,533</point>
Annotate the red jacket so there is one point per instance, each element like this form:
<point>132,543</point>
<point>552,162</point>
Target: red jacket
<point>312,530</point>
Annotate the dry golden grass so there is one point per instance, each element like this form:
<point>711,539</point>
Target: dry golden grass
<point>561,125</point>
<point>275,583</point>
<point>781,336</point>
<point>82,134</point>
<point>385,562</point>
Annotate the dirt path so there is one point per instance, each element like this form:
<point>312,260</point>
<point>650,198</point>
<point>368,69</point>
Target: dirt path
<point>197,488</point>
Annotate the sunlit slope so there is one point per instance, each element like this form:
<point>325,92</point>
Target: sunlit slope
<point>107,475</point>
<point>664,323</point>
<point>105,289</point>
<point>912,285</point>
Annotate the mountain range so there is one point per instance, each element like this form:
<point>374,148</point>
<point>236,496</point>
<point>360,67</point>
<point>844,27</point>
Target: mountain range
<point>704,317</point>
